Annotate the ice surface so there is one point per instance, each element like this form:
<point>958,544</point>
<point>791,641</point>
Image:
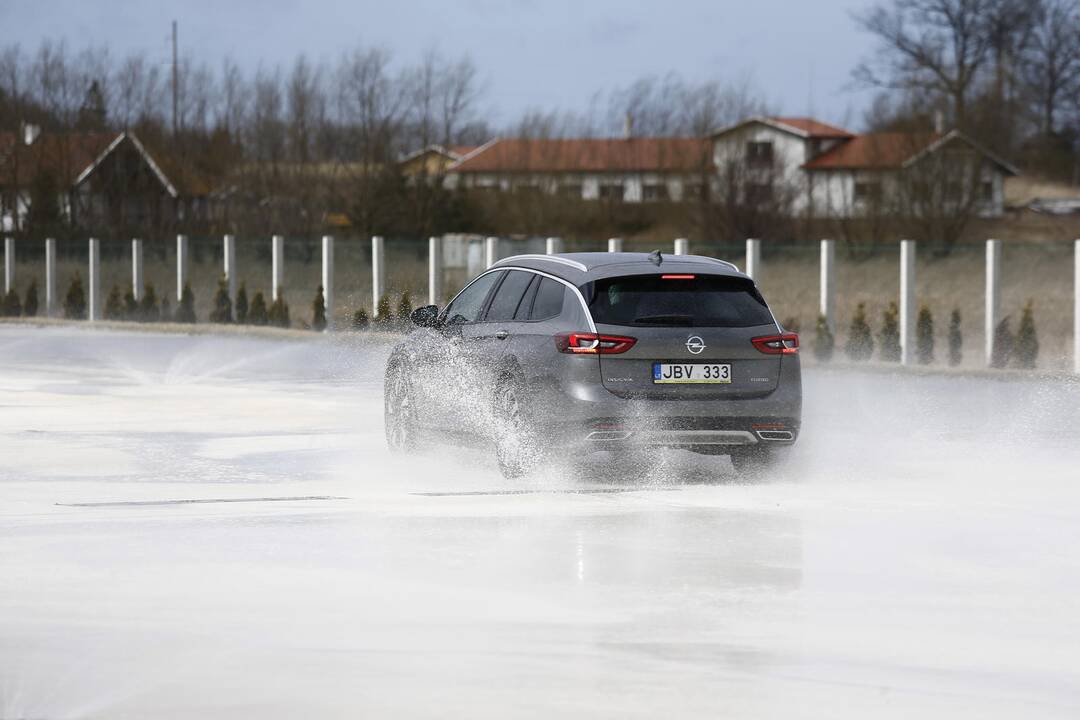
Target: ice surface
<point>918,557</point>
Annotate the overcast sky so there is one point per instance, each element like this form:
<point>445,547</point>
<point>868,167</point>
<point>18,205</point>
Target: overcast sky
<point>547,54</point>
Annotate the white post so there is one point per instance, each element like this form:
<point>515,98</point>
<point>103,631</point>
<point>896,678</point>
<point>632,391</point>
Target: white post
<point>137,269</point>
<point>1076,308</point>
<point>682,246</point>
<point>491,254</point>
<point>993,294</point>
<point>51,304</point>
<point>231,278</point>
<point>328,279</point>
<point>181,265</point>
<point>95,279</point>
<point>554,245</point>
<point>753,257</point>
<point>435,271</point>
<point>827,305</point>
<point>378,273</point>
<point>614,245</point>
<point>277,265</point>
<point>907,302</point>
<point>9,264</point>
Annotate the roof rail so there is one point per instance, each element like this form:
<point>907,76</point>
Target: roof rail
<point>550,258</point>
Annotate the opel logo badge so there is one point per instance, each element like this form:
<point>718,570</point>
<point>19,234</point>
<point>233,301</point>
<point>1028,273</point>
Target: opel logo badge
<point>695,345</point>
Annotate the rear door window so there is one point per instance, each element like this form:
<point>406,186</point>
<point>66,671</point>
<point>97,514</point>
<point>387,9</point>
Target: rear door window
<point>679,301</point>
<point>508,296</point>
<point>549,300</point>
<point>526,302</point>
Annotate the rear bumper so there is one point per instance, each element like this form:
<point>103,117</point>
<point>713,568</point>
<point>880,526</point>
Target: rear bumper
<point>589,415</point>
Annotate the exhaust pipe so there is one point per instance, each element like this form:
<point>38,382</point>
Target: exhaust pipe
<point>775,435</point>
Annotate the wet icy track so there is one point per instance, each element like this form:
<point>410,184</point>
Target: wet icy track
<point>919,557</point>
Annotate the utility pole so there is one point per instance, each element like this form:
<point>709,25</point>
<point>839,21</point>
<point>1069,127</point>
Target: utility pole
<point>175,83</point>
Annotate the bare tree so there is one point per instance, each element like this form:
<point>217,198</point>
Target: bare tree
<point>1051,64</point>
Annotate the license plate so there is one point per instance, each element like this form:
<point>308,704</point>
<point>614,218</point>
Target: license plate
<point>688,373</point>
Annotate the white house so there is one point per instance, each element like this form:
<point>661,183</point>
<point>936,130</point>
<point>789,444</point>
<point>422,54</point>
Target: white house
<point>831,172</point>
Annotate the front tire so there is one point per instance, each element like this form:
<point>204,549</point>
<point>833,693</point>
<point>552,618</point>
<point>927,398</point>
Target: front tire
<point>399,412</point>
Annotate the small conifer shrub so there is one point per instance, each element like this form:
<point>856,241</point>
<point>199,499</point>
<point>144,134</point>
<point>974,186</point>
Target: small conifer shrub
<point>166,309</point>
<point>1027,339</point>
<point>360,320</point>
<point>30,305</point>
<point>956,340</point>
<point>860,342</point>
<point>318,311</point>
<point>11,306</point>
<point>131,305</point>
<point>890,334</point>
<point>149,310</point>
<point>185,310</point>
<point>383,316</point>
<point>75,300</point>
<point>114,304</point>
<point>1004,344</point>
<point>257,314</point>
<point>404,309</point>
<point>824,342</point>
<point>278,314</point>
<point>222,312</point>
<point>924,336</point>
<point>241,304</point>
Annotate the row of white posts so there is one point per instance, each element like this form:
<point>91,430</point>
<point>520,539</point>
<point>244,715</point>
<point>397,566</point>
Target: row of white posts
<point>681,246</point>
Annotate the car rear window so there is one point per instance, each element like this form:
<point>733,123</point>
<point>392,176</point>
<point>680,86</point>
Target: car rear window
<point>682,301</point>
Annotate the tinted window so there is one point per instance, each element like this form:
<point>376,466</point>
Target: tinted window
<point>508,296</point>
<point>526,302</point>
<point>467,305</point>
<point>652,301</point>
<point>549,300</point>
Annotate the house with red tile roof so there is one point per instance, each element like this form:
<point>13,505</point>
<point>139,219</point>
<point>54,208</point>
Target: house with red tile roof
<point>105,178</point>
<point>628,169</point>
<point>831,172</point>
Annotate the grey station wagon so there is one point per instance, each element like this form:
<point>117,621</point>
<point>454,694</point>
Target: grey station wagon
<point>546,356</point>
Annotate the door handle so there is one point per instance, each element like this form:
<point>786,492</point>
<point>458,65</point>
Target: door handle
<point>502,334</point>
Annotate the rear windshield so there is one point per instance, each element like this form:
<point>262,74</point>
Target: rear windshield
<point>685,301</point>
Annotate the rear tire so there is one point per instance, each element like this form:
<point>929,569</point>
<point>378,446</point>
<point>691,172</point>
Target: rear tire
<point>517,443</point>
<point>399,412</point>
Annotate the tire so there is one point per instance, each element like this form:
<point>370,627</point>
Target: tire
<point>517,443</point>
<point>399,411</point>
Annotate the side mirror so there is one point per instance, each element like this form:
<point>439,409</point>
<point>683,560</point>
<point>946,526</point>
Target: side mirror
<point>426,316</point>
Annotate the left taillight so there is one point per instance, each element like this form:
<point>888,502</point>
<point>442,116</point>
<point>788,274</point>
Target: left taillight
<point>593,344</point>
<point>786,344</point>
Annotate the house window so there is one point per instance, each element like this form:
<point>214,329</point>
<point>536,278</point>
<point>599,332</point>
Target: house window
<point>867,191</point>
<point>759,193</point>
<point>759,154</point>
<point>986,192</point>
<point>654,193</point>
<point>611,191</point>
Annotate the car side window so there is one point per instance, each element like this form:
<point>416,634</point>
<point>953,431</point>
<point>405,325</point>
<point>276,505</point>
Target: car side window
<point>469,303</point>
<point>549,300</point>
<point>508,296</point>
<point>525,306</point>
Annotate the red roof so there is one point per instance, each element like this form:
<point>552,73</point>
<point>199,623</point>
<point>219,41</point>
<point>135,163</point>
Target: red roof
<point>589,155</point>
<point>65,156</point>
<point>873,151</point>
<point>462,150</point>
<point>812,127</point>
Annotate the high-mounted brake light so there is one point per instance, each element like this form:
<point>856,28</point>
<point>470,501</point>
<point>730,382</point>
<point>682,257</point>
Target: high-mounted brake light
<point>677,277</point>
<point>593,344</point>
<point>786,344</point>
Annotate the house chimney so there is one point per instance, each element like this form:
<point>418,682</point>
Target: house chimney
<point>30,133</point>
<point>628,126</point>
<point>939,122</point>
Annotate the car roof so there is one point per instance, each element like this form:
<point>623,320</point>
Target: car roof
<point>580,268</point>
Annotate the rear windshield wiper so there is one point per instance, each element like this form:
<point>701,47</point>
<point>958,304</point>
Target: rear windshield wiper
<point>664,320</point>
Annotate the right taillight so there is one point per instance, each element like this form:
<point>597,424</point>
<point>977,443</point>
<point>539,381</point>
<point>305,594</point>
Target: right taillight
<point>786,344</point>
<point>593,344</point>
